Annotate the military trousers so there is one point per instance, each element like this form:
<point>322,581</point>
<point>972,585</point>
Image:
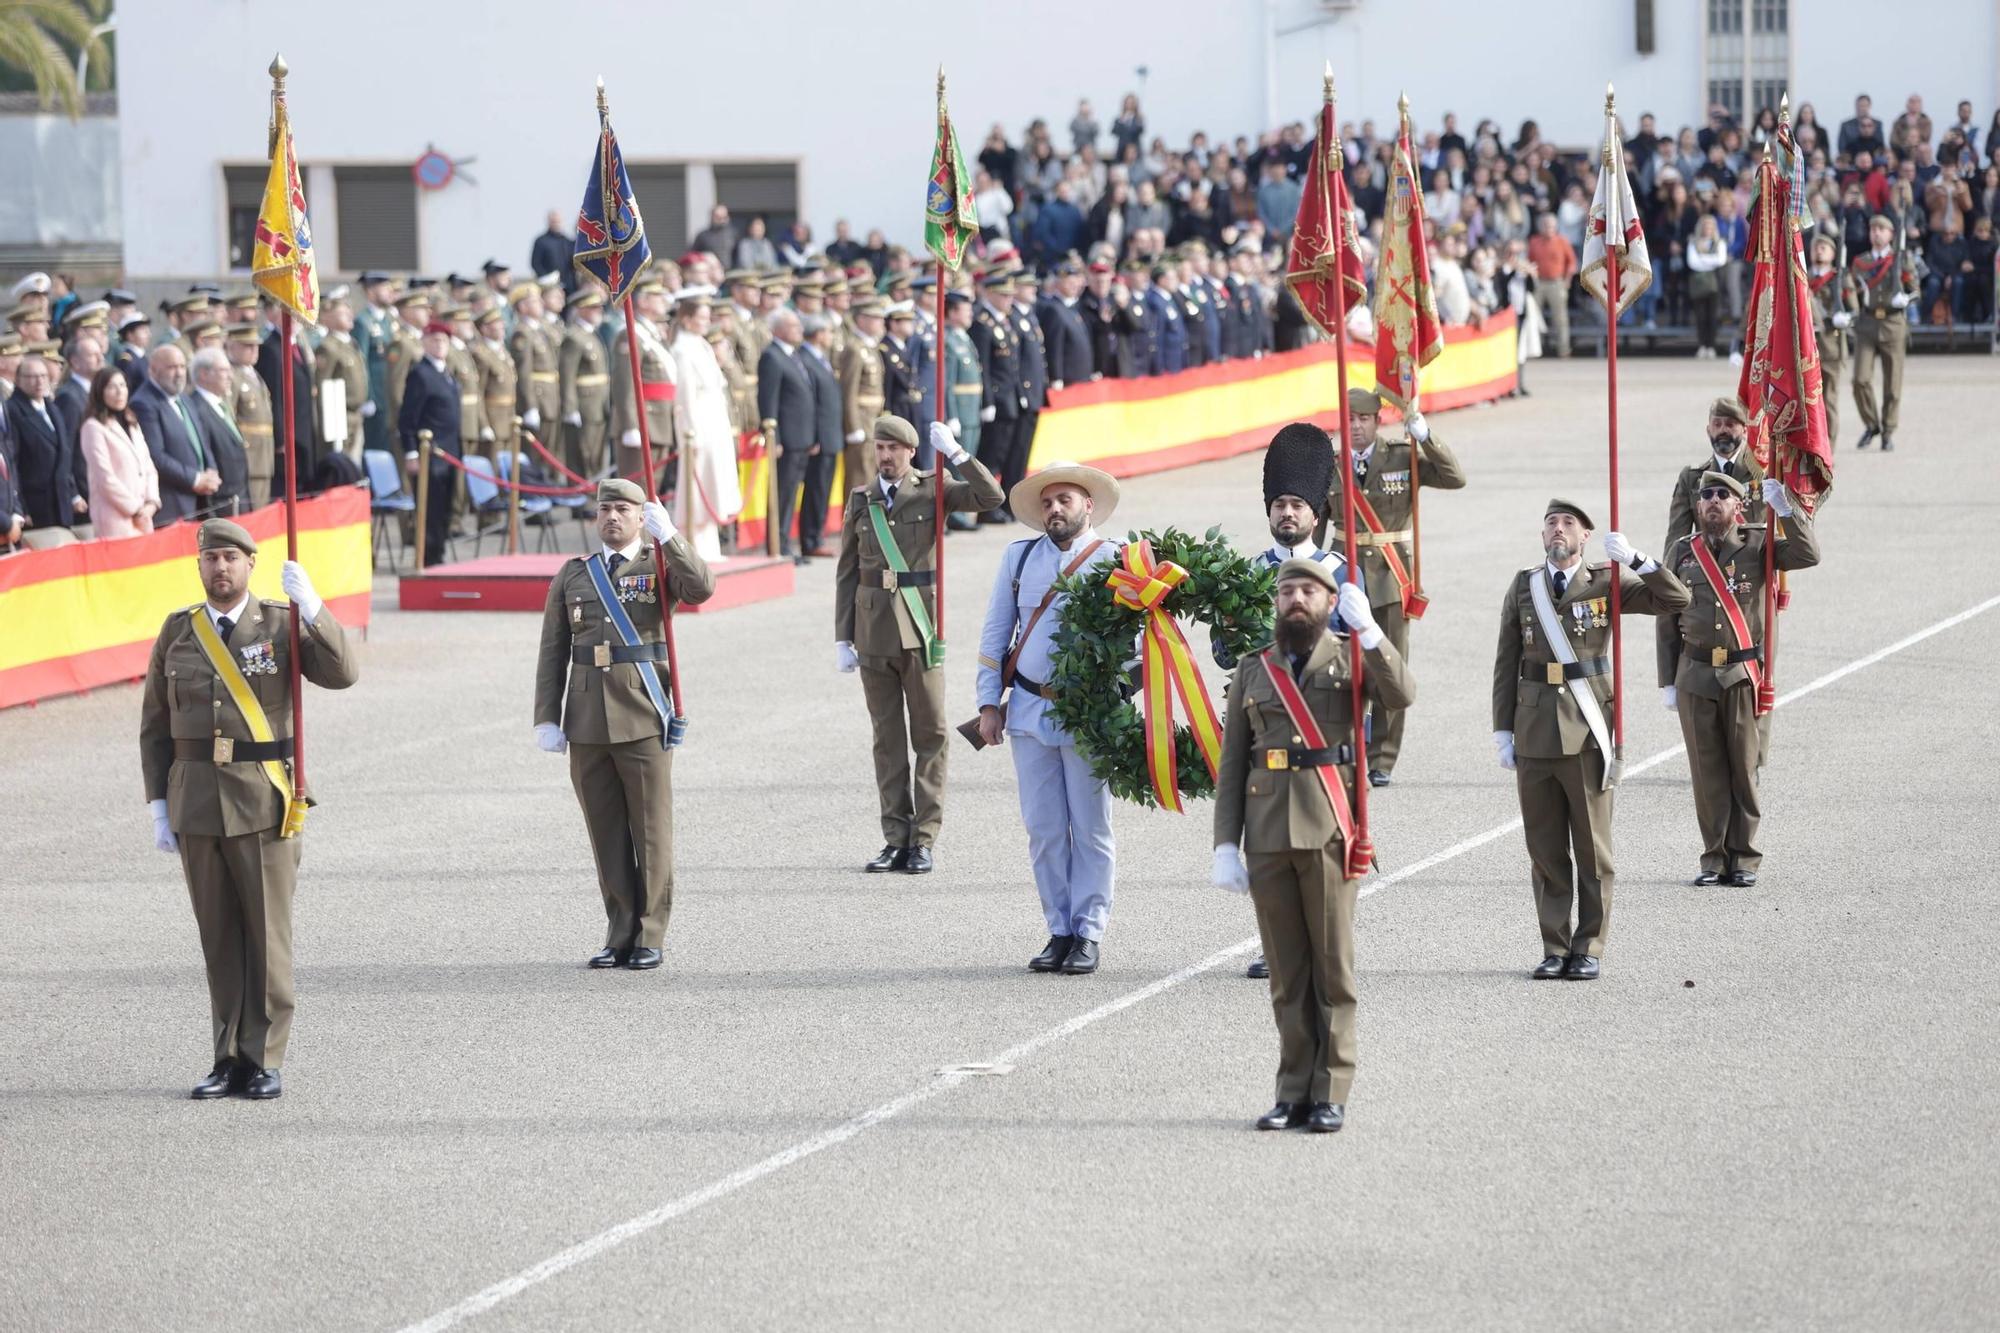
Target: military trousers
<point>1020,448</point>
<point>1830,371</point>
<point>1305,917</point>
<point>906,707</point>
<point>1882,343</point>
<point>627,794</point>
<point>260,454</point>
<point>584,446</point>
<point>1567,818</point>
<point>1385,728</point>
<point>1722,738</point>
<point>996,449</point>
<point>241,888</point>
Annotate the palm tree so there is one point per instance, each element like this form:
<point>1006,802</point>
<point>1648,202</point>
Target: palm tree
<point>40,41</point>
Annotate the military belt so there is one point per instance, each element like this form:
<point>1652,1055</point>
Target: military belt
<point>1555,673</point>
<point>542,376</point>
<point>592,381</point>
<point>909,578</point>
<point>1296,757</point>
<point>1722,657</point>
<point>223,750</point>
<point>1374,538</point>
<point>974,387</point>
<point>254,427</point>
<point>1033,687</point>
<point>605,654</point>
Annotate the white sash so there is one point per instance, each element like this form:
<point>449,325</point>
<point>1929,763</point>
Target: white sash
<point>1578,686</point>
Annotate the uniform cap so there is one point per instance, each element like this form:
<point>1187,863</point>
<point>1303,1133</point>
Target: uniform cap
<point>897,430</point>
<point>1735,487</point>
<point>1570,507</point>
<point>591,300</point>
<point>492,266</point>
<point>518,294</point>
<point>1299,567</point>
<point>243,333</point>
<point>1365,401</point>
<point>414,296</point>
<point>119,296</point>
<point>1730,408</point>
<point>220,532</point>
<point>620,488</point>
<point>135,318</point>
<point>34,282</point>
<point>437,326</point>
<point>201,328</point>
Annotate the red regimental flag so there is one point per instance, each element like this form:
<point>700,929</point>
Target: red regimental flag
<point>1780,383</point>
<point>1323,265</point>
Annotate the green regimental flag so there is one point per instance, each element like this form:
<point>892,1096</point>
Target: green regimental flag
<point>950,223</point>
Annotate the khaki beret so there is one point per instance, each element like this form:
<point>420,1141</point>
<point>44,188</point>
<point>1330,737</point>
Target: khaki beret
<point>1735,487</point>
<point>1298,568</point>
<point>896,430</point>
<point>619,488</point>
<point>1365,401</point>
<point>1729,408</point>
<point>219,532</point>
<point>1570,507</point>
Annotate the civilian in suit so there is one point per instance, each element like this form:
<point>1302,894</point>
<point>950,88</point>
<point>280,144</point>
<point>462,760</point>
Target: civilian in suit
<point>305,409</point>
<point>124,484</point>
<point>431,402</point>
<point>84,356</point>
<point>12,521</point>
<point>785,406</point>
<point>1116,324</point>
<point>209,403</point>
<point>42,469</point>
<point>188,475</point>
<point>830,433</point>
<point>1065,336</point>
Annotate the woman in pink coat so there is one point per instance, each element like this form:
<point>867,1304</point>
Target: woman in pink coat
<point>124,484</point>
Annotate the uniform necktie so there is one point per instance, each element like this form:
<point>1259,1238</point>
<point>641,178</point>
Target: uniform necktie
<point>223,624</point>
<point>1561,581</point>
<point>1298,667</point>
<point>617,559</point>
<point>892,494</point>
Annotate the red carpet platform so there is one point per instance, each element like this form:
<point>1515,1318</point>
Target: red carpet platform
<point>521,583</point>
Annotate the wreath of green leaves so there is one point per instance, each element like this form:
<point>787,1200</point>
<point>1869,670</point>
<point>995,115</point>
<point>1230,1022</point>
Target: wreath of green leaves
<point>1091,684</point>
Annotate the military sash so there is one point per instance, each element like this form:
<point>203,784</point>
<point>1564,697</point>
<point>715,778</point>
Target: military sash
<point>1307,726</point>
<point>913,600</point>
<point>1739,628</point>
<point>1414,603</point>
<point>240,694</point>
<point>628,634</point>
<point>1579,689</point>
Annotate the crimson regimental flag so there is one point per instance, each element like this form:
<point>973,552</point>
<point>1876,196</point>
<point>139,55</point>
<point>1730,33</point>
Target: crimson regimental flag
<point>1408,336</point>
<point>1323,263</point>
<point>1781,384</point>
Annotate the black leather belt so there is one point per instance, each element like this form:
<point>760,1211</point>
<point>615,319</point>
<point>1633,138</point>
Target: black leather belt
<point>1033,687</point>
<point>239,752</point>
<point>1555,673</point>
<point>909,578</point>
<point>604,654</point>
<point>1293,756</point>
<point>1722,657</point>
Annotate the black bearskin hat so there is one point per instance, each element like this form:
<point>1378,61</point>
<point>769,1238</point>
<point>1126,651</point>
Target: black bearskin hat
<point>1299,462</point>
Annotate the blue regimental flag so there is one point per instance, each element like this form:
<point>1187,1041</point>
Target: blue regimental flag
<point>610,238</point>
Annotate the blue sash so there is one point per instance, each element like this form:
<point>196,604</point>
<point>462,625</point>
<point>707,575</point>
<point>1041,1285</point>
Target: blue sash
<point>628,634</point>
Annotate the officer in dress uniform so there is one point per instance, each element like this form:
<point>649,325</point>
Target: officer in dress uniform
<point>1000,373</point>
<point>405,347</point>
<point>474,435</point>
<point>1166,324</point>
<point>250,403</point>
<point>537,387</point>
<point>499,388</point>
<point>1832,318</point>
<point>1382,470</point>
<point>880,633</point>
<point>1033,357</point>
<point>1729,453</point>
<point>964,389</point>
<point>656,387</point>
<point>586,385</point>
<point>338,358</point>
<point>863,390</point>
<point>1709,657</point>
<point>901,389</point>
<point>592,699</point>
<point>215,745</point>
<point>1066,807</point>
<point>1885,282</point>
<point>374,329</point>
<point>1552,703</point>
<point>1281,820</point>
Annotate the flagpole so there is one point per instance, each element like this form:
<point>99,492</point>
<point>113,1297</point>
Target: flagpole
<point>937,463</point>
<point>1767,253</point>
<point>1415,407</point>
<point>1611,376</point>
<point>295,814</point>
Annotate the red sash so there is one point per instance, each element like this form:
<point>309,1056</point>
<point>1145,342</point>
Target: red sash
<point>662,392</point>
<point>1738,626</point>
<point>1872,274</point>
<point>1414,604</point>
<point>1307,726</point>
<point>1819,283</point>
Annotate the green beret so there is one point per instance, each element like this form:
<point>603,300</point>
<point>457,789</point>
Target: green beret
<point>897,430</point>
<point>1298,568</point>
<point>1736,489</point>
<point>219,532</point>
<point>1364,400</point>
<point>619,488</point>
<point>1571,508</point>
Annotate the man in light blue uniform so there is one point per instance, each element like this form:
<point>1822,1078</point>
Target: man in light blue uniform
<point>1067,810</point>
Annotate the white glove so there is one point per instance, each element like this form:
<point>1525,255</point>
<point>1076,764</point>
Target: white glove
<point>988,413</point>
<point>1841,319</point>
<point>856,436</point>
<point>1671,697</point>
<point>532,418</point>
<point>573,419</point>
<point>486,434</point>
<point>367,409</point>
<point>1776,497</point>
<point>1899,300</point>
<point>549,737</point>
<point>1228,873</point>
<point>630,439</point>
<point>944,443</point>
<point>957,429</point>
<point>163,836</point>
<point>1420,430</point>
<point>300,589</point>
<point>1503,741</point>
<point>844,659</point>
<point>1359,616</point>
<point>658,522</point>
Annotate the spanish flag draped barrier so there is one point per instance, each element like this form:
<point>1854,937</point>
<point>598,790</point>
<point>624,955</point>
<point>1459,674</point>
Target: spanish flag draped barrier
<point>80,616</point>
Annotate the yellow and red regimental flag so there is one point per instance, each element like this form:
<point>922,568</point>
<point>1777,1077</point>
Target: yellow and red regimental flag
<point>1781,383</point>
<point>1408,335</point>
<point>1323,264</point>
<point>282,265</point>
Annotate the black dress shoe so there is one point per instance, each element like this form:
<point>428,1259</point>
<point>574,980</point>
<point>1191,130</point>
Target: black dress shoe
<point>1259,970</point>
<point>889,858</point>
<point>1052,954</point>
<point>1580,967</point>
<point>609,957</point>
<point>918,862</point>
<point>643,960</point>
<point>1326,1118</point>
<point>961,523</point>
<point>221,1081</point>
<point>1706,879</point>
<point>1082,957</point>
<point>994,517</point>
<point>1888,445</point>
<point>1551,968</point>
<point>1285,1115</point>
<point>1742,879</point>
<point>1377,778</point>
<point>263,1085</point>
<point>1867,438</point>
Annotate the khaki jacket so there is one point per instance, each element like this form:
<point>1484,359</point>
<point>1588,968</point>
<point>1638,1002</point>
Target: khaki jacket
<point>609,705</point>
<point>869,613</point>
<point>185,700</point>
<point>498,388</point>
<point>536,383</point>
<point>584,381</point>
<point>656,366</point>
<point>464,368</point>
<point>1263,809</point>
<point>405,349</point>
<point>338,358</point>
<point>1387,486</point>
<point>1702,626</point>
<point>862,384</point>
<point>1687,490</point>
<point>250,404</point>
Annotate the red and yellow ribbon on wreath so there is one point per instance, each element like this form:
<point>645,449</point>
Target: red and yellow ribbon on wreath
<point>1167,667</point>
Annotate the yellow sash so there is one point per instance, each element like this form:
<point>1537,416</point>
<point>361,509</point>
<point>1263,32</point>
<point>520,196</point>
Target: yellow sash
<point>240,694</point>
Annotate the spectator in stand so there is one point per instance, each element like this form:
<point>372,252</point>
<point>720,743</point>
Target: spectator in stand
<point>993,205</point>
<point>1129,130</point>
<point>1060,227</point>
<point>1448,283</point>
<point>1146,212</point>
<point>795,251</point>
<point>1107,217</point>
<point>1975,292</point>
<point>1707,256</point>
<point>1042,171</point>
<point>755,250</point>
<point>1278,199</point>
<point>718,238</point>
<point>1000,159</point>
<point>44,475</point>
<point>554,252</point>
<point>1555,264</point>
<point>1912,128</point>
<point>1949,262</point>
<point>124,484</point>
<point>1735,232</point>
<point>1083,127</point>
<point>1441,202</point>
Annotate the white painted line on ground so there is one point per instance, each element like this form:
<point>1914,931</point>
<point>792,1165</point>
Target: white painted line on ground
<point>583,1251</point>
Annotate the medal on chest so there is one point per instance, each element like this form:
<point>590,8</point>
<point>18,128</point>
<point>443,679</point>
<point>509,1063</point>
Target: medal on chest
<point>1395,483</point>
<point>258,659</point>
<point>1579,618</point>
<point>636,588</point>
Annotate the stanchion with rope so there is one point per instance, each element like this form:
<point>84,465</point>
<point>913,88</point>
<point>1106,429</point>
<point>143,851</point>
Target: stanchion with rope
<point>423,493</point>
<point>514,494</point>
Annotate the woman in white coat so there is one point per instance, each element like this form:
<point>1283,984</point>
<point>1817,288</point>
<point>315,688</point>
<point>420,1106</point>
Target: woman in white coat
<point>708,496</point>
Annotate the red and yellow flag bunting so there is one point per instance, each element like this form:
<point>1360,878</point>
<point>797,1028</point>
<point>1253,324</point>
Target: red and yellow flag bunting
<point>1167,667</point>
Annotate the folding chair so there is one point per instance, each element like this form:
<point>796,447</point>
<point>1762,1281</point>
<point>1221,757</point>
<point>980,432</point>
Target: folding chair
<point>532,506</point>
<point>484,497</point>
<point>386,497</point>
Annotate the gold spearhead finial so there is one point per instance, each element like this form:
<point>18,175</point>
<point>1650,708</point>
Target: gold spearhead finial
<point>1327,85</point>
<point>940,80</point>
<point>1610,98</point>
<point>1403,105</point>
<point>279,69</point>
<point>1785,108</point>
<point>603,107</point>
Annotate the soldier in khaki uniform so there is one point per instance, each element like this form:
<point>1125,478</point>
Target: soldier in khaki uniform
<point>585,380</point>
<point>591,700</point>
<point>876,632</point>
<point>746,328</point>
<point>1832,318</point>
<point>656,387</point>
<point>1710,679</point>
<point>250,403</point>
<point>1552,710</point>
<point>338,358</point>
<point>1383,468</point>
<point>1885,282</point>
<point>1275,799</point>
<point>537,386</point>
<point>475,436</point>
<point>497,387</point>
<point>1728,433</point>
<point>863,390</point>
<point>405,347</point>
<point>218,782</point>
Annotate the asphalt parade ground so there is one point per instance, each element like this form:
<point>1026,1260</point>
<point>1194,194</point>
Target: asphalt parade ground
<point>844,1103</point>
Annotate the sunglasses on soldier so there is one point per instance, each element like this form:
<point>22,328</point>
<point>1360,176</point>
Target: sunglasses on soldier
<point>1716,492</point>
